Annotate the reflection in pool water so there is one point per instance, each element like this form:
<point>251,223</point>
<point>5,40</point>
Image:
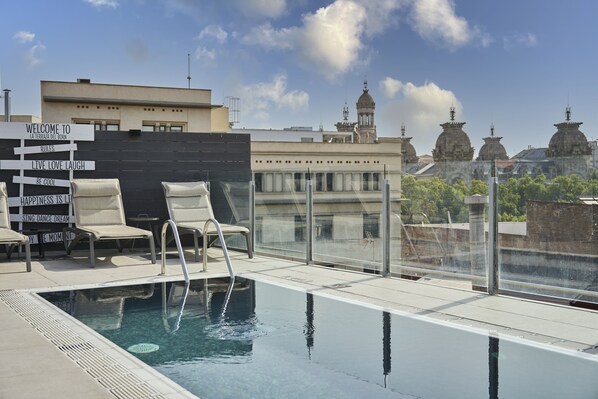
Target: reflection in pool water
<point>247,339</point>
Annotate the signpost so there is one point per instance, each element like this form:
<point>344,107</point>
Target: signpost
<point>58,132</point>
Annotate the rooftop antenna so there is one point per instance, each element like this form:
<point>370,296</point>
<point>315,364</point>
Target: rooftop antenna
<point>188,70</point>
<point>568,113</point>
<point>232,103</point>
<point>452,112</point>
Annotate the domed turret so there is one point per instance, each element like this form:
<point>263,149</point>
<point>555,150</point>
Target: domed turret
<point>366,128</point>
<point>453,144</point>
<point>492,148</point>
<point>568,140</point>
<point>407,149</point>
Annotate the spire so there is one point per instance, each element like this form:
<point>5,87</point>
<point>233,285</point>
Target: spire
<point>492,129</point>
<point>345,112</point>
<point>403,129</point>
<point>568,113</point>
<point>452,113</point>
<point>365,86</point>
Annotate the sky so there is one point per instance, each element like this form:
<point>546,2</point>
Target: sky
<point>513,64</point>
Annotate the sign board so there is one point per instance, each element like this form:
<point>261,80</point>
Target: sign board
<point>44,149</point>
<point>39,200</point>
<point>47,165</point>
<point>46,131</point>
<point>41,181</point>
<point>33,218</point>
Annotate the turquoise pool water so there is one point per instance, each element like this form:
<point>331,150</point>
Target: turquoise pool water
<point>257,340</point>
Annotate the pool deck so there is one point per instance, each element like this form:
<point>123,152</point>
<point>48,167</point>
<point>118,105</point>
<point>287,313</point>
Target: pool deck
<point>45,353</point>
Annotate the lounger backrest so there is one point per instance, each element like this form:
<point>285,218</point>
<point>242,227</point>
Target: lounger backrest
<point>97,202</point>
<point>4,212</point>
<point>188,202</point>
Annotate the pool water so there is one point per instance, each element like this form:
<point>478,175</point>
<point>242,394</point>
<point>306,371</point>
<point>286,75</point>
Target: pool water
<point>251,339</point>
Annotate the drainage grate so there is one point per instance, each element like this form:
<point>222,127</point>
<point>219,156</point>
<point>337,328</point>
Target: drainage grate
<point>105,370</point>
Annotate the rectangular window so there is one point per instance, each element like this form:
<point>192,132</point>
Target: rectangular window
<point>319,181</point>
<point>258,178</point>
<point>298,181</point>
<point>329,181</point>
<point>112,127</point>
<point>299,228</point>
<point>323,227</point>
<point>376,181</point>
<point>365,182</point>
<point>176,128</point>
<point>371,225</point>
<point>147,128</point>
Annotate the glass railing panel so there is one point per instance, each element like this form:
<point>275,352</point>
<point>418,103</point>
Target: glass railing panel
<point>441,225</point>
<point>280,213</point>
<point>548,230</point>
<point>348,219</point>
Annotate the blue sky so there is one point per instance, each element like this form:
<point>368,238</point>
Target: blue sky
<point>512,63</point>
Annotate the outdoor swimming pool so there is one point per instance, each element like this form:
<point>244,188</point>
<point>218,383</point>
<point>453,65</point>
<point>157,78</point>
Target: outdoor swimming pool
<point>252,339</point>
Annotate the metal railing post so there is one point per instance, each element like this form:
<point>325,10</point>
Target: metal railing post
<point>386,228</point>
<point>309,223</point>
<point>252,214</point>
<point>493,231</point>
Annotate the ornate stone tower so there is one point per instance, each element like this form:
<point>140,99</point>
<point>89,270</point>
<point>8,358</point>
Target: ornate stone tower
<point>345,125</point>
<point>492,148</point>
<point>569,147</point>
<point>407,149</point>
<point>366,128</point>
<point>453,143</point>
<point>453,152</point>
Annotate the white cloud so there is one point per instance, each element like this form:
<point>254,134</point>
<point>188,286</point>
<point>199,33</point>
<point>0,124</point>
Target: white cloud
<point>381,14</point>
<point>24,36</point>
<point>329,41</point>
<point>32,56</point>
<point>214,32</point>
<point>435,20</point>
<point>103,3</point>
<point>421,108</point>
<point>205,56</point>
<point>520,40</point>
<point>262,8</point>
<point>261,98</point>
<point>271,39</point>
<point>390,87</point>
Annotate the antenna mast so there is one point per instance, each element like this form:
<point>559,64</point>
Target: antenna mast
<point>188,70</point>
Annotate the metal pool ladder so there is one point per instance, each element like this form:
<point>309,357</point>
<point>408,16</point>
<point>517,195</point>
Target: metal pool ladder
<point>177,239</point>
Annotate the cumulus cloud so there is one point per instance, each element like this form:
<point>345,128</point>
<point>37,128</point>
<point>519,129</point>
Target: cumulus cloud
<point>32,57</point>
<point>205,55</point>
<point>420,108</point>
<point>435,20</point>
<point>260,98</point>
<point>24,36</point>
<point>213,32</point>
<point>103,3</point>
<point>262,8</point>
<point>520,40</point>
<point>330,40</point>
<point>390,87</point>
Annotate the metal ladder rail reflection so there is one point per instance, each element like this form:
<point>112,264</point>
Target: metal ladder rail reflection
<point>222,242</point>
<point>177,239</point>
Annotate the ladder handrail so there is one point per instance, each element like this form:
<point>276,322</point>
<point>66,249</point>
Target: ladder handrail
<point>177,239</point>
<point>222,242</point>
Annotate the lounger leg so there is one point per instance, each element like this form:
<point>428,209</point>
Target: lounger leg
<point>196,244</point>
<point>249,251</point>
<point>120,247</point>
<point>28,255</point>
<point>70,247</point>
<point>9,249</point>
<point>92,256</point>
<point>152,246</point>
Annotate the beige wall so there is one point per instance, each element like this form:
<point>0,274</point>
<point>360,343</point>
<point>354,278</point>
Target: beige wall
<point>220,120</point>
<point>129,106</point>
<point>22,118</point>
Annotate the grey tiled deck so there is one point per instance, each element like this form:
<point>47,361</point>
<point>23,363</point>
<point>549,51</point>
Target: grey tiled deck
<point>32,366</point>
